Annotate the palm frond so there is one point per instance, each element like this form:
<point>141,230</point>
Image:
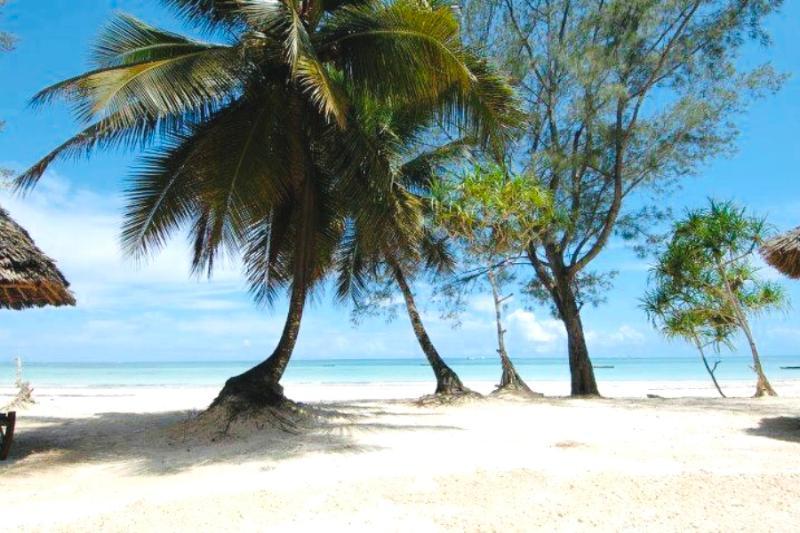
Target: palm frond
<point>400,50</point>
<point>268,252</point>
<point>350,265</point>
<point>132,131</point>
<point>210,14</point>
<point>419,172</point>
<point>128,40</point>
<point>234,170</point>
<point>184,78</point>
<point>313,77</point>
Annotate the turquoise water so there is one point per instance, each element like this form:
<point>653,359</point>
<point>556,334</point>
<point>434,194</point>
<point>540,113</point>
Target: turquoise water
<point>214,373</point>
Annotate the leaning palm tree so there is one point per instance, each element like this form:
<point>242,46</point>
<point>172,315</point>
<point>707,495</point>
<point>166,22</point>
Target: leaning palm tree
<point>241,129</point>
<point>393,253</point>
<point>401,245</point>
<point>371,255</point>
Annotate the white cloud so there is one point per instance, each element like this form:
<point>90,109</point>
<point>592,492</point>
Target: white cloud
<point>240,325</point>
<point>80,230</point>
<point>545,331</point>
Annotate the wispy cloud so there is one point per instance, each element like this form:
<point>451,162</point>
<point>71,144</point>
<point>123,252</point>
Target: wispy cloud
<point>80,229</point>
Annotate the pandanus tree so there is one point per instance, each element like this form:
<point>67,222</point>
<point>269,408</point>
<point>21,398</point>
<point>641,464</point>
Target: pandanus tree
<point>691,313</point>
<point>490,214</point>
<point>708,260</point>
<point>239,132</point>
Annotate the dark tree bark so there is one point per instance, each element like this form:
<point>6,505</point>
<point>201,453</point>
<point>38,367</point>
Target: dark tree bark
<point>260,386</point>
<point>559,284</point>
<point>447,381</point>
<point>583,382</point>
<point>510,380</point>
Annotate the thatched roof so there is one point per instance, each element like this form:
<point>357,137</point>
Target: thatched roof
<point>28,278</point>
<point>783,252</point>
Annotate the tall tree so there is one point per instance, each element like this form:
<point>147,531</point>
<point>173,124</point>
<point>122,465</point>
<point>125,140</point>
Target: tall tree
<point>623,98</point>
<point>377,260</point>
<point>242,130</point>
<point>708,262</point>
<point>372,277</point>
<point>491,215</point>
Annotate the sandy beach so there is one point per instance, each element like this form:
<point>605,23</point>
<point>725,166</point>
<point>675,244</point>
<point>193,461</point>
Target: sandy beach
<point>112,460</point>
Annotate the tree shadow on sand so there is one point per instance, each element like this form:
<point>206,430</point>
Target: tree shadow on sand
<point>785,428</point>
<point>156,443</point>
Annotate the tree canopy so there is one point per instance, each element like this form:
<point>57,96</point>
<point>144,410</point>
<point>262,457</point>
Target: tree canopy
<point>261,145</point>
<point>706,285</point>
<point>622,98</point>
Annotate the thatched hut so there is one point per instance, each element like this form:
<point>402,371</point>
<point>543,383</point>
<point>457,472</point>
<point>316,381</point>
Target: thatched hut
<point>783,252</point>
<point>28,278</point>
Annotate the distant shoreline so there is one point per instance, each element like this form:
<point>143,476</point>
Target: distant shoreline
<point>551,372</point>
<point>190,397</point>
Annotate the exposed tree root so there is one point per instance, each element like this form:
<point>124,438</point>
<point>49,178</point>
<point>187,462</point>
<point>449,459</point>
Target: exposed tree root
<point>516,390</point>
<point>462,397</point>
<point>229,418</point>
<point>763,387</point>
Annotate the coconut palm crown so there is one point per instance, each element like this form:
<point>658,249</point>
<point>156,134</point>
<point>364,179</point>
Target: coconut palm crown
<point>239,130</point>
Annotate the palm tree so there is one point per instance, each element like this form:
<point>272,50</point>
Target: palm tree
<point>241,129</point>
<point>402,243</point>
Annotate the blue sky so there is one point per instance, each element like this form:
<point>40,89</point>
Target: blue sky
<point>155,311</point>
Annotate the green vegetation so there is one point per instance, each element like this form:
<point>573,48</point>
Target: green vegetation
<point>490,215</point>
<point>622,98</point>
<point>263,145</point>
<point>7,40</point>
<point>373,143</point>
<point>706,286</point>
<point>385,251</point>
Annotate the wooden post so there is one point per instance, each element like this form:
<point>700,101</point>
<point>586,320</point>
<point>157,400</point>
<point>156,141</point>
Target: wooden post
<point>8,421</point>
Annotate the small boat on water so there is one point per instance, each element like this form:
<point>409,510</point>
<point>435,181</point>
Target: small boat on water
<point>603,366</point>
<point>790,368</point>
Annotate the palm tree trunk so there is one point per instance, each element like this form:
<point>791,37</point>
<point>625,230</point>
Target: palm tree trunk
<point>708,368</point>
<point>447,381</point>
<point>510,380</point>
<point>260,386</point>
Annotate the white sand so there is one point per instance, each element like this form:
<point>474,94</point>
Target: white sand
<point>106,459</point>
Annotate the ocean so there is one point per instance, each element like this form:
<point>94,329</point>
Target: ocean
<point>214,373</point>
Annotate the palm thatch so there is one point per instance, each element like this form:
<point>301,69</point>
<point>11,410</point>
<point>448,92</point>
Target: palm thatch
<point>783,253</point>
<point>28,278</point>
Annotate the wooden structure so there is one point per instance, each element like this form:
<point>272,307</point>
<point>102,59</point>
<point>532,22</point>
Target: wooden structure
<point>783,253</point>
<point>7,423</point>
<point>28,278</point>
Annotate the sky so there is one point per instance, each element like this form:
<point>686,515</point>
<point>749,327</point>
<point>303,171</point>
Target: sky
<point>156,311</point>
